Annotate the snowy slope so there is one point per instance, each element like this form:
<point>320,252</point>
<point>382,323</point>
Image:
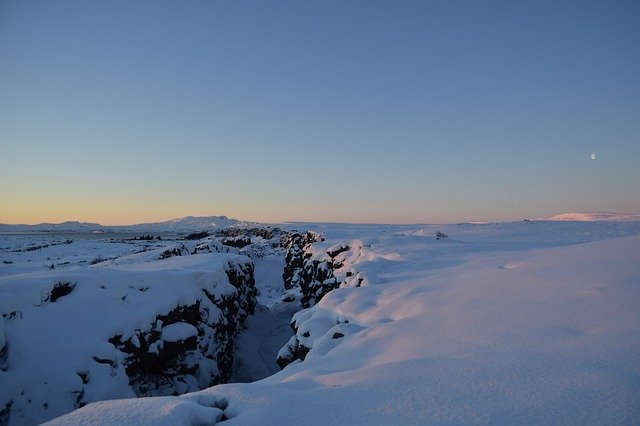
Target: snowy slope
<point>590,217</point>
<point>499,323</point>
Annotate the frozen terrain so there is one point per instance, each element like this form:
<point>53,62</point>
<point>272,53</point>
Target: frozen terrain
<point>525,322</point>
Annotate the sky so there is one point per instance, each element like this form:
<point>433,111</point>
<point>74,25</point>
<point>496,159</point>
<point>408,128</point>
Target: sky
<point>122,112</point>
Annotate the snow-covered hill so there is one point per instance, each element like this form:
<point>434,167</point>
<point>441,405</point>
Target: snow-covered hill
<point>596,216</point>
<point>185,224</point>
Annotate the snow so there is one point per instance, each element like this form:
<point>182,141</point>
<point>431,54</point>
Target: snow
<point>35,253</point>
<point>599,216</point>
<point>178,331</point>
<point>257,347</point>
<point>158,411</point>
<point>524,322</point>
<point>268,330</point>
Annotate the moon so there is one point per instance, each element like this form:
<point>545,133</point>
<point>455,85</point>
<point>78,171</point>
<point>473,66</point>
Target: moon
<point>593,156</point>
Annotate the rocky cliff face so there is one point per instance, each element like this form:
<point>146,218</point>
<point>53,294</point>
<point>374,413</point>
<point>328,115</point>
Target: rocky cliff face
<point>158,363</point>
<point>151,323</point>
<point>316,269</point>
<point>295,243</point>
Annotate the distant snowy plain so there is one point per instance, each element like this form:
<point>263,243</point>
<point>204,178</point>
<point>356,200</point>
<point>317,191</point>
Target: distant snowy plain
<point>531,322</point>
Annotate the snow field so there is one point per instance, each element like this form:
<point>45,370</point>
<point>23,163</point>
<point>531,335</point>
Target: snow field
<point>453,331</point>
<point>528,323</point>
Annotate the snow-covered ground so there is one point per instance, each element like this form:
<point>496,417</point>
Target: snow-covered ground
<point>524,322</point>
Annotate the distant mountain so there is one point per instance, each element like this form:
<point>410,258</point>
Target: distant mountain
<point>596,216</point>
<point>188,223</point>
<point>70,226</point>
<point>184,224</point>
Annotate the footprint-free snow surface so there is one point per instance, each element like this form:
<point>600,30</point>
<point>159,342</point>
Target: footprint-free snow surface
<point>521,323</point>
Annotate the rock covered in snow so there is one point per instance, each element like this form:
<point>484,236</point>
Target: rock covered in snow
<point>316,268</point>
<point>160,327</point>
<point>295,244</point>
<point>325,267</point>
<point>179,331</point>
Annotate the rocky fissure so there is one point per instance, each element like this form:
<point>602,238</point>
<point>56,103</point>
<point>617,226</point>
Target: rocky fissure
<point>157,366</point>
<point>315,272</point>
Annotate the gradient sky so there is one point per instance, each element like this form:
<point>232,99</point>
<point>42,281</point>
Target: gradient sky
<point>361,111</point>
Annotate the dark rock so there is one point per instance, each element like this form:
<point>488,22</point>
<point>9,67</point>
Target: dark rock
<point>99,360</point>
<point>59,290</point>
<point>5,412</point>
<point>236,242</point>
<point>197,235</point>
<point>341,249</point>
<point>173,252</point>
<point>295,351</point>
<point>295,243</point>
<point>84,376</point>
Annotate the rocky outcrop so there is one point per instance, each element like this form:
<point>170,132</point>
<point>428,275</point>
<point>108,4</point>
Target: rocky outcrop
<point>59,290</point>
<point>176,251</point>
<point>295,244</point>
<point>160,365</point>
<point>316,332</point>
<point>163,327</point>
<point>316,269</point>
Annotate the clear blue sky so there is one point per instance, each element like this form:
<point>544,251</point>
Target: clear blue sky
<point>362,111</point>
